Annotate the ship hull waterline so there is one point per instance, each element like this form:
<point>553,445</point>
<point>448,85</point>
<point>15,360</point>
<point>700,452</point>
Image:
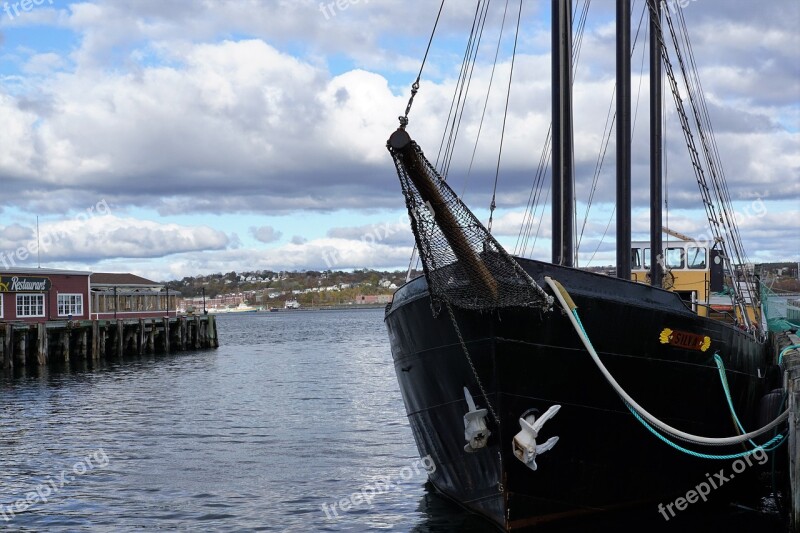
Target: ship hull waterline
<point>529,359</point>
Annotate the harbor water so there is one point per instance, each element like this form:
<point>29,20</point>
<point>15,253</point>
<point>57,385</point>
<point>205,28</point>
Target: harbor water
<point>295,423</point>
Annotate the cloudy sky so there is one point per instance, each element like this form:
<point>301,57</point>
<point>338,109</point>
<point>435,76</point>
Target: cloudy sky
<point>183,137</point>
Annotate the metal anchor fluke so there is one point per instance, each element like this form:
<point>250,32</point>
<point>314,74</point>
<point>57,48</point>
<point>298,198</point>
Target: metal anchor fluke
<point>524,443</point>
<point>475,430</point>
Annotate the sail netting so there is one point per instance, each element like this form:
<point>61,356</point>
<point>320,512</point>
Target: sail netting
<point>463,264</point>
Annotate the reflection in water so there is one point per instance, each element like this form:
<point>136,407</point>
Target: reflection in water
<point>294,411</point>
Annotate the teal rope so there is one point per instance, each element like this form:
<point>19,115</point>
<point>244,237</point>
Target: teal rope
<point>792,347</point>
<point>726,388</point>
<point>766,447</point>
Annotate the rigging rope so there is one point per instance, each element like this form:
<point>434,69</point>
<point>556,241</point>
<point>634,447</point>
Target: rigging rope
<point>485,101</point>
<point>415,85</point>
<point>607,134</point>
<point>461,92</point>
<point>720,213</point>
<point>535,201</point>
<point>493,204</point>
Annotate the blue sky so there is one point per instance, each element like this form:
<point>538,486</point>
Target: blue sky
<point>250,134</point>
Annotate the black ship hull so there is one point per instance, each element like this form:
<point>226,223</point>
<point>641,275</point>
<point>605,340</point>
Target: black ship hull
<point>526,358</point>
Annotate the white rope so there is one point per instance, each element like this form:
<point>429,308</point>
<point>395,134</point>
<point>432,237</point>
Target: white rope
<point>639,409</point>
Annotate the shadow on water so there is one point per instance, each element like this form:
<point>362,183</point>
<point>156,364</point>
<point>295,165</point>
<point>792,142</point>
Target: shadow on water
<point>440,515</point>
<point>55,373</point>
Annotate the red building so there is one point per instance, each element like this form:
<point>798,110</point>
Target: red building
<point>42,294</point>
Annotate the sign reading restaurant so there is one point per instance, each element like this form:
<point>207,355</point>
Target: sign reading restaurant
<point>24,284</point>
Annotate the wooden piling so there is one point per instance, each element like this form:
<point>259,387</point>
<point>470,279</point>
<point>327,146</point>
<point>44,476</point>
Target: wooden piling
<point>151,337</point>
<point>196,339</point>
<point>95,340</point>
<point>8,347</point>
<point>20,350</point>
<point>166,334</point>
<point>82,347</point>
<point>181,336</point>
<point>63,343</point>
<point>212,332</point>
<point>103,332</point>
<point>41,344</point>
<point>140,339</point>
<point>791,362</point>
<point>120,339</point>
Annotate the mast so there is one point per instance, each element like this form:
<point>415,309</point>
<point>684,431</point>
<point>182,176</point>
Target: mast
<point>656,244</point>
<point>561,72</point>
<point>623,139</point>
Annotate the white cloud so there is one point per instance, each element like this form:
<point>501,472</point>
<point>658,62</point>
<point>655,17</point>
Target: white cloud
<point>91,238</point>
<point>265,234</point>
<point>158,106</point>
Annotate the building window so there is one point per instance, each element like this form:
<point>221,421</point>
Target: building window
<point>70,304</point>
<point>1,306</point>
<point>30,305</point>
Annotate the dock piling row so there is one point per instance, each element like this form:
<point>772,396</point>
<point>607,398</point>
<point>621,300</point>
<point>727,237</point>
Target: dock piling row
<point>61,341</point>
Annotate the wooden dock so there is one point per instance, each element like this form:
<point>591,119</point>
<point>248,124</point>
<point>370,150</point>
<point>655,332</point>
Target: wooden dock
<point>41,343</point>
<point>791,364</point>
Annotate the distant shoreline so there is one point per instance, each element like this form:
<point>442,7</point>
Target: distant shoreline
<point>301,309</point>
<point>330,308</point>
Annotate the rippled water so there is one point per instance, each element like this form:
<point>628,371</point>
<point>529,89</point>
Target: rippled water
<point>292,412</point>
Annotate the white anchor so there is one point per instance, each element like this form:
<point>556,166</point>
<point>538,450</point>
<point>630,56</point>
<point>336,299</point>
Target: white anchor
<point>475,430</point>
<point>524,444</point>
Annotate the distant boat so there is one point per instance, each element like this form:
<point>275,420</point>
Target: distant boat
<point>243,308</point>
<point>291,304</point>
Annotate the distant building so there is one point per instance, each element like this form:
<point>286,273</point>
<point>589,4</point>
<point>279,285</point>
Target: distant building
<point>42,294</point>
<point>372,299</point>
<point>780,269</point>
<point>130,296</point>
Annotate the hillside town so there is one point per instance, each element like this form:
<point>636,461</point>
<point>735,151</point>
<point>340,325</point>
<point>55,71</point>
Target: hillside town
<point>270,290</point>
<point>273,290</point>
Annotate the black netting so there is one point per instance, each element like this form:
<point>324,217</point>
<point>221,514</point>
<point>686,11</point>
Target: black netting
<point>463,263</point>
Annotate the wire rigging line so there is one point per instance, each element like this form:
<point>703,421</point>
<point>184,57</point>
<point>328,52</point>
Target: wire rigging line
<point>486,101</point>
<point>608,129</point>
<point>415,85</point>
<point>493,205</point>
<point>706,160</point>
<point>458,102</point>
<point>535,201</point>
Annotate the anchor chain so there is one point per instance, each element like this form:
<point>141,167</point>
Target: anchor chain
<point>471,365</point>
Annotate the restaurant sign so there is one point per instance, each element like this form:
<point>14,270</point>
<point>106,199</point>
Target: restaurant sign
<point>24,284</point>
